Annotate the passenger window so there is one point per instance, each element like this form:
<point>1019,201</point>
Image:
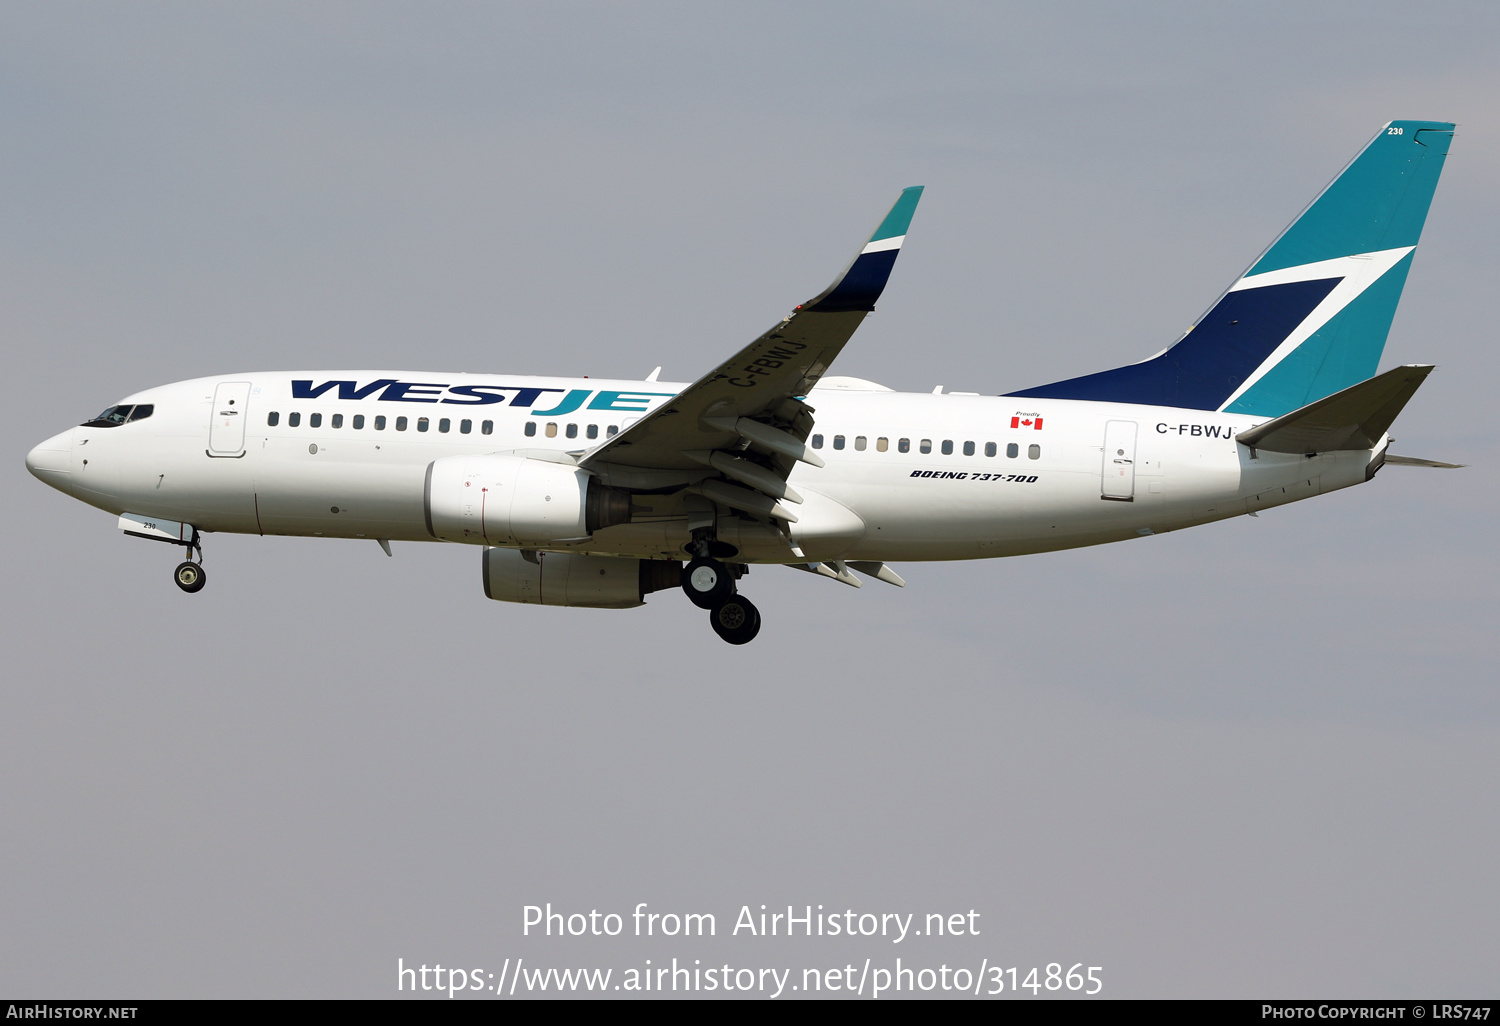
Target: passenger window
<point>593,431</point>
<point>359,422</point>
<point>272,419</point>
<point>315,420</point>
<point>968,448</point>
<point>423,423</point>
<point>947,447</point>
<point>465,426</point>
<point>530,428</point>
<point>926,445</point>
<point>487,428</point>
<point>142,412</point>
<point>338,420</point>
<point>838,441</point>
<point>817,441</point>
<point>400,423</point>
<point>1034,452</point>
<point>444,425</point>
<point>611,431</point>
<point>989,448</point>
<point>551,430</point>
<point>904,445</point>
<point>293,419</point>
<point>859,443</point>
<point>882,444</point>
<point>380,423</point>
<point>571,431</point>
<point>1012,450</point>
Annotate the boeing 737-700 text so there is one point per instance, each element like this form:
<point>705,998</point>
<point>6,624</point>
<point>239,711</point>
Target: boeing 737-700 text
<point>585,492</point>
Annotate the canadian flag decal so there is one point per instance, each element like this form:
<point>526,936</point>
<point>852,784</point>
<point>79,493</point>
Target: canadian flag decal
<point>1026,420</point>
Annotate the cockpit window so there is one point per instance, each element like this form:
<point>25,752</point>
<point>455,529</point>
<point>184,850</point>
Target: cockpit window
<point>112,417</point>
<point>117,415</point>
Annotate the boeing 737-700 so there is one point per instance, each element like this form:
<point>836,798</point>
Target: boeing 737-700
<point>588,492</point>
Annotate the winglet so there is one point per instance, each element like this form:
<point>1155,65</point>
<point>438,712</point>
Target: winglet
<point>863,280</point>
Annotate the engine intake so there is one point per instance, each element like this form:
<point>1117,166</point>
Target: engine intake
<point>509,499</point>
<point>569,579</point>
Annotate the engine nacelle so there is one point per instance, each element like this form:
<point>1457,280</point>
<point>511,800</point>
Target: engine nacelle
<point>510,499</point>
<point>569,579</point>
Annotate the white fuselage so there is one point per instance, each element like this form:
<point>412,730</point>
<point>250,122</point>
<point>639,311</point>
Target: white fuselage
<point>879,497</point>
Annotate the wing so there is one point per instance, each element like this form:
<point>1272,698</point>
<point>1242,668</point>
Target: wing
<point>747,419</point>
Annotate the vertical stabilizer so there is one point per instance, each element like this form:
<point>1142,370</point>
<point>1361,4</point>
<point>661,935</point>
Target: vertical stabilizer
<point>1310,317</point>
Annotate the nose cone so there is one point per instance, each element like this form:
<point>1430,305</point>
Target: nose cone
<point>52,461</point>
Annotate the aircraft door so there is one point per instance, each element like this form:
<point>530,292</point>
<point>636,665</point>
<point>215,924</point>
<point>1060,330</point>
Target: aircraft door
<point>1119,461</point>
<point>226,431</point>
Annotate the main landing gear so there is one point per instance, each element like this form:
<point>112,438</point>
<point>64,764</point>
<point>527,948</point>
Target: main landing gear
<point>709,584</point>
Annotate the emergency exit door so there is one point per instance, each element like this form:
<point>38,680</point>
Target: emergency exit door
<point>226,429</point>
<point>1119,461</point>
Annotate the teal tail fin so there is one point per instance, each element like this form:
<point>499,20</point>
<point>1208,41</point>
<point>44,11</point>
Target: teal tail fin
<point>1310,317</point>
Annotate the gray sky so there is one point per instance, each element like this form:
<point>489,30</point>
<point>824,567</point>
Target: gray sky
<point>1255,758</point>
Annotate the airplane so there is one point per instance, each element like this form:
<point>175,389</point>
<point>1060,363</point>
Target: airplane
<point>590,492</point>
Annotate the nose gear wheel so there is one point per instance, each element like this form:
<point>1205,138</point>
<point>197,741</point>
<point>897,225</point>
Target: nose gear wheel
<point>190,577</point>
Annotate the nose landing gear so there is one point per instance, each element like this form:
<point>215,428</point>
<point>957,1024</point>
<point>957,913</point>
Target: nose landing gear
<point>189,574</point>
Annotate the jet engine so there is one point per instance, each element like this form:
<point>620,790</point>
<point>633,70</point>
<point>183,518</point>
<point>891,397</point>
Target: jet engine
<point>510,499</point>
<point>569,579</point>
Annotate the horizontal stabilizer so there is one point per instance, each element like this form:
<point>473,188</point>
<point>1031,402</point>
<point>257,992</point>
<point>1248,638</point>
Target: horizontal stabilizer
<point>1414,461</point>
<point>1356,418</point>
